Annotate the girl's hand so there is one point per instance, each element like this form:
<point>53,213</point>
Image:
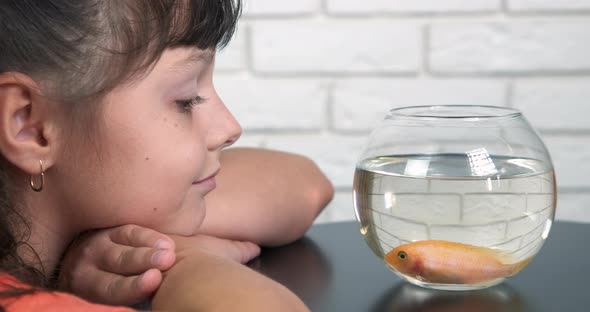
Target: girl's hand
<point>206,278</point>
<point>238,251</point>
<point>123,265</point>
<point>119,266</point>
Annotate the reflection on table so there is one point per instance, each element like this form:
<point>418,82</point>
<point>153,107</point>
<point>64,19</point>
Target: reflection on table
<point>301,265</point>
<point>407,297</point>
<point>333,269</point>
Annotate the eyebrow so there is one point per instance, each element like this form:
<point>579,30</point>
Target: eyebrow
<point>198,56</point>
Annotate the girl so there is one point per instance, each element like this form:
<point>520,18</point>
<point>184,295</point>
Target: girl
<point>109,266</point>
<point>108,117</point>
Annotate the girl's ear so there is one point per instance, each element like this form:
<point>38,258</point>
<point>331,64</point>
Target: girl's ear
<point>27,133</point>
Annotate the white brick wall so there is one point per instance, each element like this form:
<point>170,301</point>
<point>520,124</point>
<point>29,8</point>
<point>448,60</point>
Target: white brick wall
<point>273,8</point>
<point>574,207</point>
<point>352,46</point>
<point>335,154</point>
<point>571,156</point>
<point>554,104</point>
<point>314,76</point>
<point>509,47</point>
<point>280,104</point>
<point>549,5</point>
<point>353,7</point>
<point>358,103</point>
<point>234,58</point>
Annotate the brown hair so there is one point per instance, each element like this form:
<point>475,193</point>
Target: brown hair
<point>80,50</point>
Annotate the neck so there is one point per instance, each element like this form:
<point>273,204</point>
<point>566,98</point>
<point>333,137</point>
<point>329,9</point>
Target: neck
<point>49,235</point>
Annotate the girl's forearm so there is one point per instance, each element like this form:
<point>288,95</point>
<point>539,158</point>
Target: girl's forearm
<point>203,282</point>
<point>267,197</point>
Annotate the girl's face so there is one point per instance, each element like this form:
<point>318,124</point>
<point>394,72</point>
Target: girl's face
<point>157,150</point>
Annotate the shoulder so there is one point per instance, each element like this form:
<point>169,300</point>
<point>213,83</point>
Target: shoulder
<point>16,296</point>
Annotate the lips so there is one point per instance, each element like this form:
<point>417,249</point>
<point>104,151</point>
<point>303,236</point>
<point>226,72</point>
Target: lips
<point>208,184</point>
<point>212,176</point>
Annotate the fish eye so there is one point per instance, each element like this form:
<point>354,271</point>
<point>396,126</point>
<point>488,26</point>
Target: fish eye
<point>402,255</point>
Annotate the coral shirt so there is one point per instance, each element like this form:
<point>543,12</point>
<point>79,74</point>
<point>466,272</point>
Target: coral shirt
<point>48,301</point>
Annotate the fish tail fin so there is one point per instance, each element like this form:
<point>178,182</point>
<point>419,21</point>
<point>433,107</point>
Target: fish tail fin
<point>517,267</point>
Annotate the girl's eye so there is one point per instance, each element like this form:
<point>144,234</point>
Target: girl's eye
<point>188,104</point>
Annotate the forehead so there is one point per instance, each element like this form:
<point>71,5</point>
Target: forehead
<point>182,57</point>
<point>173,62</point>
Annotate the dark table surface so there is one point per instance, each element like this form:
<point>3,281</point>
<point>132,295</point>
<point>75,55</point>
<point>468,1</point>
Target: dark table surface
<point>332,269</point>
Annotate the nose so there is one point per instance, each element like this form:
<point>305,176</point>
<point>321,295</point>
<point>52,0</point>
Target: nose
<point>225,131</point>
<point>234,129</point>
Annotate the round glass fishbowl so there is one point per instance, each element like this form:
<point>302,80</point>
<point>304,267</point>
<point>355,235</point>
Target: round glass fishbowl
<point>455,197</point>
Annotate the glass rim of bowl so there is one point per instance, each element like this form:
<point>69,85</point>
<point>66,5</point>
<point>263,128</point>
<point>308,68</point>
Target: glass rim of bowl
<point>454,111</point>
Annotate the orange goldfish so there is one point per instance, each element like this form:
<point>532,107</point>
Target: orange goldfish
<point>444,262</point>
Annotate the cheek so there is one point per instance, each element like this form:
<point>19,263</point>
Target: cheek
<point>141,177</point>
<point>159,172</point>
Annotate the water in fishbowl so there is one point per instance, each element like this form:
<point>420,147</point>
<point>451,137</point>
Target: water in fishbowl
<point>454,221</point>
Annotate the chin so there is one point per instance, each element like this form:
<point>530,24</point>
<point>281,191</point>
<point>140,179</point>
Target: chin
<point>185,221</point>
<point>192,224</point>
<point>183,229</point>
<point>183,225</point>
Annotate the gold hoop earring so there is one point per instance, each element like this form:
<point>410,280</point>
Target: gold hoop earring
<point>42,179</point>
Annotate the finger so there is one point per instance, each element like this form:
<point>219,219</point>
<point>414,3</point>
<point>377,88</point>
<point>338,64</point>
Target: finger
<point>115,289</point>
<point>239,251</point>
<point>125,260</point>
<point>149,282</point>
<point>247,251</point>
<point>137,236</point>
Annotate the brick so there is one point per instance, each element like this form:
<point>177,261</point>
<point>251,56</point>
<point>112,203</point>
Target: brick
<point>371,213</point>
<point>540,184</point>
<point>379,203</point>
<point>234,56</point>
<point>573,207</point>
<point>323,217</point>
<point>274,103</point>
<point>428,208</point>
<point>554,104</point>
<point>361,103</point>
<point>548,5</point>
<point>533,244</point>
<point>387,241</point>
<point>340,208</point>
<point>468,186</point>
<point>350,7</point>
<point>509,246</point>
<point>255,8</point>
<point>480,235</point>
<point>247,140</point>
<point>375,219</point>
<point>335,155</point>
<point>520,141</point>
<point>403,185</point>
<point>529,245</point>
<point>546,214</point>
<point>511,47</point>
<point>530,242</point>
<point>568,154</point>
<point>336,47</point>
<point>484,208</point>
<point>527,224</point>
<point>403,229</point>
<point>539,202</point>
